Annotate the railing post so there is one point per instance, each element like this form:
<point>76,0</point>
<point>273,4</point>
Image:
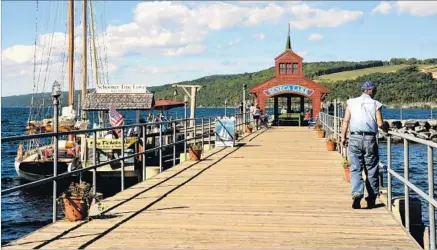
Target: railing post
<point>95,161</point>
<point>195,132</point>
<point>185,138</point>
<point>407,189</point>
<point>203,133</point>
<point>335,118</point>
<point>55,157</point>
<point>174,144</point>
<point>144,128</point>
<point>209,134</point>
<point>122,161</point>
<point>160,147</point>
<point>389,187</point>
<point>431,208</point>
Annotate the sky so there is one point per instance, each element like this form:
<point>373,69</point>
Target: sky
<point>155,43</point>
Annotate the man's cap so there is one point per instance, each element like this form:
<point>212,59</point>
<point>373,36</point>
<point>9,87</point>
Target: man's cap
<point>368,85</point>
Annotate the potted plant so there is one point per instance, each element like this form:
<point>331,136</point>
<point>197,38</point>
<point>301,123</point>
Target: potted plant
<point>249,128</point>
<point>321,133</point>
<point>195,151</point>
<point>77,201</point>
<point>331,143</point>
<point>347,173</point>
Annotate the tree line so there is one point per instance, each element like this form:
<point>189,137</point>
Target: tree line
<point>405,85</point>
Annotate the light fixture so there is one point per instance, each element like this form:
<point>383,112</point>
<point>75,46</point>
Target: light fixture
<point>185,99</point>
<point>226,101</point>
<point>56,89</point>
<point>175,92</point>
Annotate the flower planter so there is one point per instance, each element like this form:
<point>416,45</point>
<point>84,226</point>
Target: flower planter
<point>331,145</point>
<point>195,154</point>
<point>347,174</point>
<point>75,209</point>
<point>321,134</point>
<point>249,130</point>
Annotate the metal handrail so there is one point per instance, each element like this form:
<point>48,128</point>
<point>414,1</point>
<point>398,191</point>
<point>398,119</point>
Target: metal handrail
<point>75,132</point>
<point>143,127</point>
<point>325,119</point>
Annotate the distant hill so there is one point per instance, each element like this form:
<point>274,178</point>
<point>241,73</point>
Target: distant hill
<point>353,74</point>
<point>407,84</point>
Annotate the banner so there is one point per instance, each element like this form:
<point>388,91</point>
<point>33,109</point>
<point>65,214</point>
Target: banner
<point>225,132</point>
<point>110,143</point>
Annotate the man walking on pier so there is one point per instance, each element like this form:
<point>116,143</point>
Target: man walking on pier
<point>363,117</point>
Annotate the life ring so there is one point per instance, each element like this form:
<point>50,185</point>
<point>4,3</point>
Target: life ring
<point>20,153</point>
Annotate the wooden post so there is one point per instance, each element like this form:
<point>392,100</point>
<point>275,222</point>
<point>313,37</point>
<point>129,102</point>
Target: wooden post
<point>275,111</point>
<point>70,52</point>
<point>84,55</point>
<point>193,105</point>
<point>288,104</point>
<point>302,104</point>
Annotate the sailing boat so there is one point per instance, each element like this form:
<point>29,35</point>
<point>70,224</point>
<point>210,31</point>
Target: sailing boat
<point>37,163</point>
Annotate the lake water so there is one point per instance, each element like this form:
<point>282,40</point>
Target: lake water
<point>25,211</point>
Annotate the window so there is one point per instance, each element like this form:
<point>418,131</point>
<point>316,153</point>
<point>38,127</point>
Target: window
<point>282,68</point>
<point>288,68</point>
<point>294,68</point>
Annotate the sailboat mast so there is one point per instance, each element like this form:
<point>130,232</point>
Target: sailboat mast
<point>70,52</point>
<point>84,55</point>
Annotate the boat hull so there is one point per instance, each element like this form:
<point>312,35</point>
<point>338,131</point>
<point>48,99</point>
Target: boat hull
<point>37,170</point>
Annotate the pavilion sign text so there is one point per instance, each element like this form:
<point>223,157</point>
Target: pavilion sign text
<point>288,88</point>
<point>124,88</point>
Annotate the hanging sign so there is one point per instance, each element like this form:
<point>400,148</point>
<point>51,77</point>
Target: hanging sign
<point>225,132</point>
<point>287,89</point>
<point>106,143</point>
<point>124,88</point>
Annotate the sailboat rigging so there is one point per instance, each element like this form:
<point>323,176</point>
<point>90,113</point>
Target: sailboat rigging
<point>37,162</point>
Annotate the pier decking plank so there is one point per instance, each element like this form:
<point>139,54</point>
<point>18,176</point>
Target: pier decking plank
<point>281,190</point>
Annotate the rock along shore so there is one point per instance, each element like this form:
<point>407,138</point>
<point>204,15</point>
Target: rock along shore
<point>423,129</point>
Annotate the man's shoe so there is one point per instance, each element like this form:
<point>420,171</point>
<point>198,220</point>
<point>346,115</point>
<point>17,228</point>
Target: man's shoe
<point>356,204</point>
<point>370,203</point>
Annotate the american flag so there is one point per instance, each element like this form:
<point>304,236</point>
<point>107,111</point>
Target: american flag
<point>116,119</point>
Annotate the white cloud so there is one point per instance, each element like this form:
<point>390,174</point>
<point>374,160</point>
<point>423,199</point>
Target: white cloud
<point>413,8</point>
<point>315,37</point>
<point>18,53</point>
<point>259,36</point>
<point>234,42</point>
<point>417,8</point>
<point>168,28</point>
<point>383,8</point>
<point>187,50</point>
<point>306,17</point>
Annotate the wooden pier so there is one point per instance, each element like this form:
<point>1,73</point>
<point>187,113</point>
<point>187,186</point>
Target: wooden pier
<point>280,189</point>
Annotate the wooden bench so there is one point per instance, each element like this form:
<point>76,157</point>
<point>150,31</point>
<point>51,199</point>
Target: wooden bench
<point>290,117</point>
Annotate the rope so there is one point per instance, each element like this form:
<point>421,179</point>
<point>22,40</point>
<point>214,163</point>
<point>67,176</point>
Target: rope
<point>34,64</point>
<point>104,44</point>
<point>94,44</point>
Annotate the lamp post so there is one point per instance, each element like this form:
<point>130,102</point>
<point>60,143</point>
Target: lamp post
<point>56,93</point>
<point>226,103</point>
<point>244,103</point>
